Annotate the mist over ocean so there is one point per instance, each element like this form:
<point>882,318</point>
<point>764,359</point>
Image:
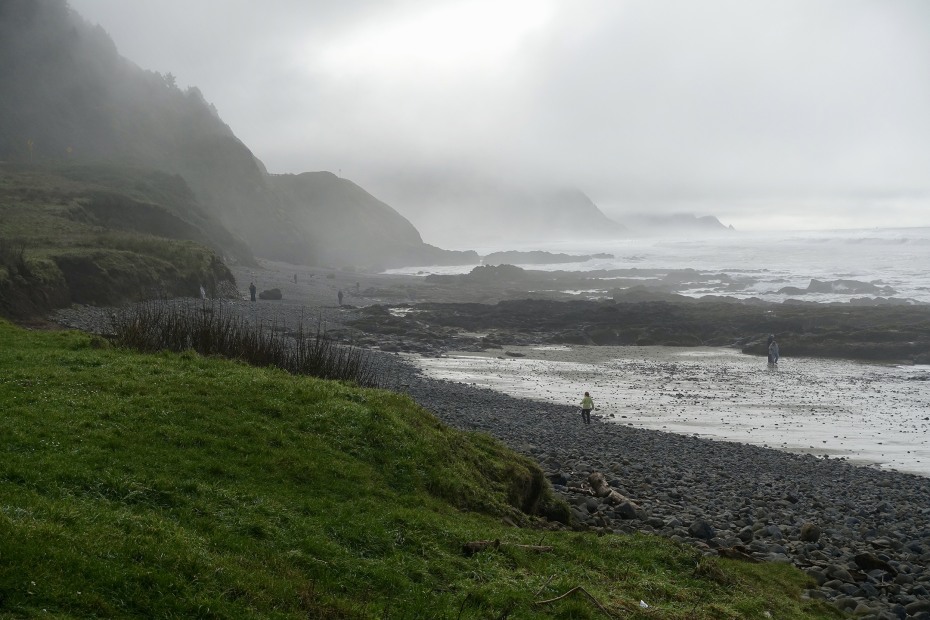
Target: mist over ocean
<point>765,262</point>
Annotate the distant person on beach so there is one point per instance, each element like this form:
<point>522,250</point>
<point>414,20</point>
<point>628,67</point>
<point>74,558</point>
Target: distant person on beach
<point>340,296</point>
<point>773,351</point>
<point>587,404</point>
<point>252,290</point>
<point>203,292</point>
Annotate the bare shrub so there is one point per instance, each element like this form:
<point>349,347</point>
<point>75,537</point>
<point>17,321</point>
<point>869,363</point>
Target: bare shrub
<point>209,329</point>
<point>13,256</point>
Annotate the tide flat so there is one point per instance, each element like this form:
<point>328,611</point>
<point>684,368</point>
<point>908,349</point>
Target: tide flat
<point>869,414</point>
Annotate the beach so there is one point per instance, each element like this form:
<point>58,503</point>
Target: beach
<point>860,532</point>
<point>869,414</point>
<point>679,434</point>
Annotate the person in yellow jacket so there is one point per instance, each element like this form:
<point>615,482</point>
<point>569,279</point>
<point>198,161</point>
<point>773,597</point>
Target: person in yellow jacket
<point>587,404</point>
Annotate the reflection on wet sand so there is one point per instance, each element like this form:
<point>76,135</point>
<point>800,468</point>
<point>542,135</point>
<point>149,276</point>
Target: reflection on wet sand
<point>867,413</point>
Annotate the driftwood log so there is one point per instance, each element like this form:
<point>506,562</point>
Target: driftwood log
<point>477,546</point>
<point>737,552</point>
<point>572,591</point>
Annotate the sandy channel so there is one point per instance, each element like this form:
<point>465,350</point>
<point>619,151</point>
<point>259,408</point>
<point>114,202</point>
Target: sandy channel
<point>871,414</point>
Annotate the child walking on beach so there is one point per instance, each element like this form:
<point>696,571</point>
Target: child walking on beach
<point>587,404</point>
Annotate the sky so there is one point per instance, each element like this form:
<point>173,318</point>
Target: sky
<point>788,114</point>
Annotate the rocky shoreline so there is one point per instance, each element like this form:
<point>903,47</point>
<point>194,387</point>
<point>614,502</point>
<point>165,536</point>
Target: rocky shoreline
<point>863,535</point>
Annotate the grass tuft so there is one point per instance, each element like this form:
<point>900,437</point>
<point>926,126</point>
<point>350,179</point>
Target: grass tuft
<point>210,329</point>
<point>13,257</point>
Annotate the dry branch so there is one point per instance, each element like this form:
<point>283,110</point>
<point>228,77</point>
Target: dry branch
<point>475,546</point>
<point>572,591</point>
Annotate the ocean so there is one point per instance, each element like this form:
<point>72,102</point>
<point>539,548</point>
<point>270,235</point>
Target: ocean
<point>872,414</point>
<point>761,264</point>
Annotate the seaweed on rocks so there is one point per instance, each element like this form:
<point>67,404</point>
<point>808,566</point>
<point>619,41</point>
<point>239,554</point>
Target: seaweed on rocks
<point>883,333</point>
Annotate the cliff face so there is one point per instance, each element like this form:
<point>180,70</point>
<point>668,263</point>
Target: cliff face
<point>456,208</point>
<point>345,223</point>
<point>68,96</point>
<point>342,220</point>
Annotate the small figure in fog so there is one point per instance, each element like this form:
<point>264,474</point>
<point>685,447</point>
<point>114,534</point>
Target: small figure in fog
<point>587,404</point>
<point>203,292</point>
<point>773,351</point>
<point>252,290</point>
<point>339,295</point>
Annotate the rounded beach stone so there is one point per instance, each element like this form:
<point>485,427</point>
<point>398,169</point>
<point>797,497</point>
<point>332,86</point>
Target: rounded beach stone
<point>810,532</point>
<point>700,528</point>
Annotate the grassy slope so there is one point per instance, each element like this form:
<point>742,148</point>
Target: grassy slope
<point>97,234</point>
<point>176,485</point>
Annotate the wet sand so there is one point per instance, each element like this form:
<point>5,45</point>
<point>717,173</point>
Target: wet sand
<point>869,414</point>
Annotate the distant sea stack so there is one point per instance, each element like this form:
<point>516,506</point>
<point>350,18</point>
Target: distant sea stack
<point>678,223</point>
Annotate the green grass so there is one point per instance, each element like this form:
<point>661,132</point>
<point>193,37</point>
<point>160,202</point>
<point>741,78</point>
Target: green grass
<point>172,485</point>
<point>100,234</point>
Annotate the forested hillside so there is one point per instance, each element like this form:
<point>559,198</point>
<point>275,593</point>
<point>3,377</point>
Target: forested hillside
<point>69,97</point>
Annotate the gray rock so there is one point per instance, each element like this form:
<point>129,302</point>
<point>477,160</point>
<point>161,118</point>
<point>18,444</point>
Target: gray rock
<point>850,589</point>
<point>846,603</point>
<point>917,607</point>
<point>833,584</point>
<point>817,575</point>
<point>868,561</point>
<point>838,572</point>
<point>702,529</point>
<point>810,532</point>
<point>629,510</point>
<point>771,531</point>
<point>862,609</point>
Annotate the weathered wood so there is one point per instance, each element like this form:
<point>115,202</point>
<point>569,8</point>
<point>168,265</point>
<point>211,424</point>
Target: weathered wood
<point>737,553</point>
<point>539,548</point>
<point>476,546</point>
<point>572,591</point>
<point>580,490</point>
